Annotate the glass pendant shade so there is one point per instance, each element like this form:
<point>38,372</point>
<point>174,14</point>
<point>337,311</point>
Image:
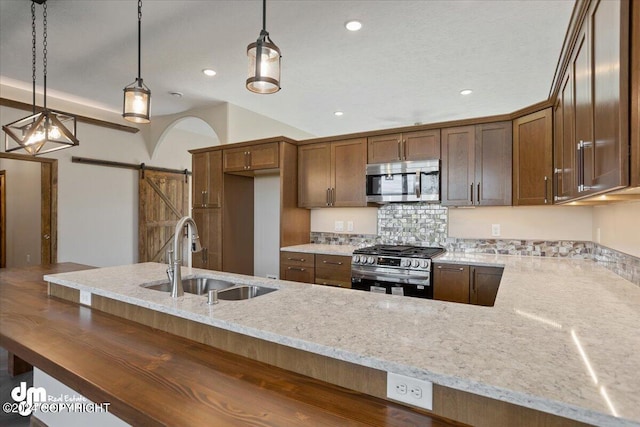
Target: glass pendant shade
<point>41,133</point>
<point>264,67</point>
<point>137,102</point>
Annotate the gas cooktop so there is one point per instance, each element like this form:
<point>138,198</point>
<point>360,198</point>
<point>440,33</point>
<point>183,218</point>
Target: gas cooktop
<point>403,251</point>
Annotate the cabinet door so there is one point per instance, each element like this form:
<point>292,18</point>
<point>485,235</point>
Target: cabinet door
<point>263,156</point>
<point>610,77</point>
<point>236,159</point>
<point>314,175</point>
<point>494,158</point>
<point>458,166</point>
<point>532,159</point>
<point>421,145</point>
<point>297,266</point>
<point>209,223</point>
<point>451,282</point>
<point>565,145</point>
<point>583,113</point>
<point>384,148</point>
<point>349,163</point>
<point>484,285</point>
<point>207,180</point>
<point>333,270</point>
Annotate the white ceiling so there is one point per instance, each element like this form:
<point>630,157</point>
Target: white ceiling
<point>407,64</point>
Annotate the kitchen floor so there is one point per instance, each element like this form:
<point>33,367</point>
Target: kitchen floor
<point>6,385</point>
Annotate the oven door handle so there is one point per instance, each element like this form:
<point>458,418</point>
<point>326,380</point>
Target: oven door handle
<point>387,277</point>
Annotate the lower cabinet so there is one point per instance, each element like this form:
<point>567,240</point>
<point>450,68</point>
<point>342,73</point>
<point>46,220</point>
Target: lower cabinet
<point>331,270</point>
<point>466,284</point>
<point>209,223</point>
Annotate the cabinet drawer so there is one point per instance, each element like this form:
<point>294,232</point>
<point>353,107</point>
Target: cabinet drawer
<point>333,270</point>
<point>296,273</point>
<point>297,259</point>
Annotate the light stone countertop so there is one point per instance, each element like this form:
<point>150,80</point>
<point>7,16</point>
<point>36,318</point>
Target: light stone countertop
<point>323,249</point>
<point>562,337</point>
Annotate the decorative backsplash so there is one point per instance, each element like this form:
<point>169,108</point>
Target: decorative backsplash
<point>425,224</point>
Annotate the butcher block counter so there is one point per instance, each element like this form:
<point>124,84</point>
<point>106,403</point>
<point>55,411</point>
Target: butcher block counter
<point>561,339</point>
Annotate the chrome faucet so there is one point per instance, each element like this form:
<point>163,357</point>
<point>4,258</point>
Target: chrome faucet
<point>175,255</point>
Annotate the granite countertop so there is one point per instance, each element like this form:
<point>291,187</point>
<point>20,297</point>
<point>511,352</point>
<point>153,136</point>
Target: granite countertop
<point>322,249</point>
<point>562,337</point>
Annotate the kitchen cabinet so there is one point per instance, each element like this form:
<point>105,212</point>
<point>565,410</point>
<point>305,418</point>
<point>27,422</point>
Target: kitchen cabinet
<point>533,159</point>
<point>250,158</point>
<point>476,165</point>
<point>466,284</point>
<point>332,174</point>
<point>297,267</point>
<point>333,270</point>
<point>206,188</point>
<point>598,117</point>
<point>564,153</point>
<point>420,145</point>
<point>209,223</point>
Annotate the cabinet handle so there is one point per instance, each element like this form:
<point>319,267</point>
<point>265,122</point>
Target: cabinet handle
<point>295,268</point>
<point>418,185</point>
<point>471,193</point>
<point>404,149</point>
<point>451,268</point>
<point>546,191</point>
<point>332,196</point>
<point>331,262</point>
<point>478,200</point>
<point>328,197</point>
<point>249,160</point>
<point>399,150</point>
<point>204,197</point>
<point>296,259</point>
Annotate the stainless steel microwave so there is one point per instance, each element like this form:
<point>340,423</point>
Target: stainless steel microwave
<point>414,181</point>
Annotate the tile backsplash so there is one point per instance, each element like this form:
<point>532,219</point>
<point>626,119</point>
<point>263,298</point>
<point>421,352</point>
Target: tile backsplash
<point>425,224</point>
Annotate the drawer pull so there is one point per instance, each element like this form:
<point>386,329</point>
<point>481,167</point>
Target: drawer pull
<point>296,259</point>
<point>295,268</point>
<point>332,262</point>
<point>451,268</point>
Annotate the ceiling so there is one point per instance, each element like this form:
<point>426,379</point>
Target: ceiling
<point>406,65</point>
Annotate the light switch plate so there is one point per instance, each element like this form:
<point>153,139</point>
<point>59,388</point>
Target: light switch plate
<point>339,226</point>
<point>85,298</point>
<point>349,225</point>
<point>495,230</point>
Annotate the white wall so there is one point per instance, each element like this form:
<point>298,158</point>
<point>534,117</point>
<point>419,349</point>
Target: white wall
<point>365,220</point>
<point>266,225</point>
<point>23,210</point>
<point>618,227</point>
<point>523,222</point>
<point>245,125</point>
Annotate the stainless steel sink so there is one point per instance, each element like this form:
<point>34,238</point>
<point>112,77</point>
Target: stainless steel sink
<point>241,292</point>
<point>197,286</point>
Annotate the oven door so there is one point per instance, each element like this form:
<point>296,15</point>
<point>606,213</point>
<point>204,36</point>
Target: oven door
<point>392,281</point>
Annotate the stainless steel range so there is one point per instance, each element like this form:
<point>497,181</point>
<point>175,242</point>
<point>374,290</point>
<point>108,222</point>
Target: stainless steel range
<point>392,269</point>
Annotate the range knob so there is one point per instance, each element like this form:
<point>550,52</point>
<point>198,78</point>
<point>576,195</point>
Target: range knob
<point>424,263</point>
<point>355,259</point>
<point>371,260</point>
<point>405,263</point>
<point>415,263</point>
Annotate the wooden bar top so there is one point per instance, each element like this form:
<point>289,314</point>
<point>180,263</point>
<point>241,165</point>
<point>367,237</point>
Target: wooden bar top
<point>155,378</point>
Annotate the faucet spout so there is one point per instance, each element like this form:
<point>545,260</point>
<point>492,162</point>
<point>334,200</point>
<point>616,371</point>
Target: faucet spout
<point>176,263</point>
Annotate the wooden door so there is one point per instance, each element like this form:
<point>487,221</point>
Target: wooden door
<point>209,223</point>
<point>349,164</point>
<point>421,145</point>
<point>533,159</point>
<point>458,166</point>
<point>384,148</point>
<point>264,156</point>
<point>451,282</point>
<point>610,76</point>
<point>314,175</point>
<point>163,200</point>
<point>485,282</point>
<point>493,171</point>
<point>583,112</point>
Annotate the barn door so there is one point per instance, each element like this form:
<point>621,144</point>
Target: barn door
<point>163,200</point>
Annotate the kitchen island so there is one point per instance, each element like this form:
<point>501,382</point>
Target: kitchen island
<point>561,339</point>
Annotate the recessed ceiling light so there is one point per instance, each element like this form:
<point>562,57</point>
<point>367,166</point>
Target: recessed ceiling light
<point>338,113</point>
<point>209,72</point>
<point>466,92</point>
<point>176,94</point>
<point>353,25</point>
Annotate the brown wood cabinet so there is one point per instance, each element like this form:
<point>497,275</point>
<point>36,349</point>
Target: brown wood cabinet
<point>250,158</point>
<point>564,149</point>
<point>466,284</point>
<point>333,270</point>
<point>597,117</point>
<point>420,145</point>
<point>297,267</point>
<point>332,174</point>
<point>476,165</point>
<point>209,223</point>
<point>533,159</point>
<point>206,188</point>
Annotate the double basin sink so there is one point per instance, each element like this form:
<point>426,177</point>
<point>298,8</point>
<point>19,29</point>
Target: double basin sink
<point>226,290</point>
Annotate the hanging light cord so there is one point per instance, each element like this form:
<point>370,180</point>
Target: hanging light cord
<point>33,51</point>
<point>264,15</point>
<point>139,42</point>
<point>44,51</point>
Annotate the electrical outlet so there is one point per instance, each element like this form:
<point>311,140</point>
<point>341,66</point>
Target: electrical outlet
<point>349,225</point>
<point>495,230</point>
<point>339,226</point>
<point>85,298</point>
<point>410,390</point>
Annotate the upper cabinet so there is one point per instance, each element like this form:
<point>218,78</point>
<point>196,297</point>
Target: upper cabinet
<point>420,145</point>
<point>533,159</point>
<point>206,190</point>
<point>332,174</point>
<point>592,109</point>
<point>476,165</point>
<point>250,158</point>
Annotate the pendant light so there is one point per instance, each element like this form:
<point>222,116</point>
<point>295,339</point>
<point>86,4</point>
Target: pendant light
<point>264,61</point>
<point>137,96</point>
<point>47,130</point>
